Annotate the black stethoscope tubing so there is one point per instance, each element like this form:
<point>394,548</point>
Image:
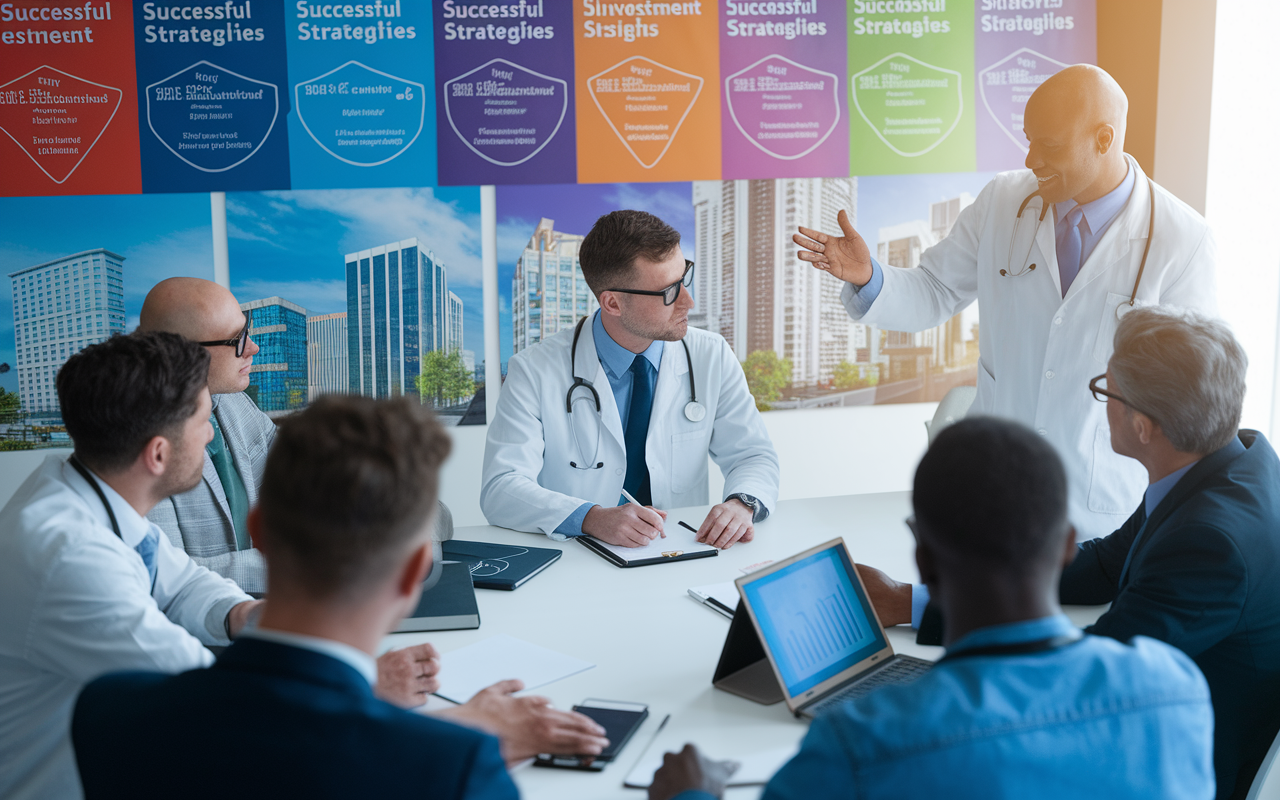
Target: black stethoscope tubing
<point>1044,209</point>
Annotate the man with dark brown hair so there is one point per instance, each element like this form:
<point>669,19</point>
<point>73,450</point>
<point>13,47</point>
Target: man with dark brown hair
<point>628,405</point>
<point>344,523</point>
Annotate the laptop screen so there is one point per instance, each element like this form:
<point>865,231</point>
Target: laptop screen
<point>815,618</point>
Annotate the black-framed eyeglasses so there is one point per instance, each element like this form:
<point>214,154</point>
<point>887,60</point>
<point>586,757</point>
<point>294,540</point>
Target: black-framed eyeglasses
<point>670,293</point>
<point>239,342</point>
<point>1101,394</point>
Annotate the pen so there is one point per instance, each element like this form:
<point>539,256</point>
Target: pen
<point>687,526</point>
<point>636,502</point>
<point>652,739</point>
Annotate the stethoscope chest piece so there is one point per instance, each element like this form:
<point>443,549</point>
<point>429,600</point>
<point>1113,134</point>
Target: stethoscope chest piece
<point>694,411</point>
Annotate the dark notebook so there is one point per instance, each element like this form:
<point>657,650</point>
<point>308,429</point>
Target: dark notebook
<point>450,605</point>
<point>500,566</point>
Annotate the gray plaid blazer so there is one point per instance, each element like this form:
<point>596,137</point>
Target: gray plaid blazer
<point>199,521</point>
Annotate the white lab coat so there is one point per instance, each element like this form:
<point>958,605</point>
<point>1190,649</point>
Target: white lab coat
<point>528,483</point>
<point>1038,349</point>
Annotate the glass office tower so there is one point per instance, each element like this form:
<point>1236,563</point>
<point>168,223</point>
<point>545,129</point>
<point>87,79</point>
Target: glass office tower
<point>278,377</point>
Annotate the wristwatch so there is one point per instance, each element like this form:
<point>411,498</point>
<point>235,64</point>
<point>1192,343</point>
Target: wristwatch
<point>750,502</point>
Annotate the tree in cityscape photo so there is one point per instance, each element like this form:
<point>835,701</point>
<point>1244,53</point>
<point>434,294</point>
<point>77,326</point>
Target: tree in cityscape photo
<point>766,376</point>
<point>445,379</point>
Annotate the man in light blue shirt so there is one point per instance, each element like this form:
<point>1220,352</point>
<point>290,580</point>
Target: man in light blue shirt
<point>1023,704</point>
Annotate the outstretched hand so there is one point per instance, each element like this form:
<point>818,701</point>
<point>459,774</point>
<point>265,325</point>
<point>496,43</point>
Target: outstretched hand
<point>846,257</point>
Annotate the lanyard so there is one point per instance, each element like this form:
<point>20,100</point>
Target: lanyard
<point>88,476</point>
<point>1017,648</point>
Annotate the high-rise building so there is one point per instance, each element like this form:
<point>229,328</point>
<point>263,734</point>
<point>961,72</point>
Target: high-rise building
<point>548,292</point>
<point>59,308</point>
<point>278,377</point>
<point>910,354</point>
<point>399,307</point>
<point>752,289</point>
<point>327,370</point>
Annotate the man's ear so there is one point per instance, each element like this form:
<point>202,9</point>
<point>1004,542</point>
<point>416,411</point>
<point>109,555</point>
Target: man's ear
<point>1069,549</point>
<point>156,455</point>
<point>1106,137</point>
<point>415,570</point>
<point>610,303</point>
<point>257,533</point>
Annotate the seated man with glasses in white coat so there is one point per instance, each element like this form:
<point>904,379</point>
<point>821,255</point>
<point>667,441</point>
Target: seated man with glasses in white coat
<point>628,403</point>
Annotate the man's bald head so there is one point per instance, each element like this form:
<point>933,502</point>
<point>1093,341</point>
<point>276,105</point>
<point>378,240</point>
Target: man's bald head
<point>1075,125</point>
<point>202,311</point>
<point>190,307</point>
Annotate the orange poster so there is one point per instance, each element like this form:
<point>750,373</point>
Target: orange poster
<point>648,94</point>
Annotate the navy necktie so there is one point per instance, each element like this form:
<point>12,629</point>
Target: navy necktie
<point>637,480</point>
<point>1070,245</point>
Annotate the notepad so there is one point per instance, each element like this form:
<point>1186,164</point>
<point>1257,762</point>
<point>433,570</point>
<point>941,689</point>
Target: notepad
<point>719,597</point>
<point>467,670</point>
<point>680,544</point>
<point>756,768</point>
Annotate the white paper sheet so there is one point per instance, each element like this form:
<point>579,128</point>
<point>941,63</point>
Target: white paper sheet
<point>678,539</point>
<point>467,670</point>
<point>756,768</point>
<point>725,593</point>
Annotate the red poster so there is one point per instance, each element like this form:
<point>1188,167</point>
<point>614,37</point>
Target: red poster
<point>68,99</point>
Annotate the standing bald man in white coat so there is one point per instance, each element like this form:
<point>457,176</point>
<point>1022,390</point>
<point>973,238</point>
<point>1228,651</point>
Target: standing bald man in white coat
<point>1054,255</point>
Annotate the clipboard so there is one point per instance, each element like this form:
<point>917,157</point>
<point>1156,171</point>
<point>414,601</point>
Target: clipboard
<point>679,545</point>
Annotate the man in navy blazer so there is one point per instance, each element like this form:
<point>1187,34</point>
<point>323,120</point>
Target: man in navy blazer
<point>344,522</point>
<point>1198,563</point>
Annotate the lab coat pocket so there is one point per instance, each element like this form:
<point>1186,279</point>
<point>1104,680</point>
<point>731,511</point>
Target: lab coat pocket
<point>1107,328</point>
<point>688,459</point>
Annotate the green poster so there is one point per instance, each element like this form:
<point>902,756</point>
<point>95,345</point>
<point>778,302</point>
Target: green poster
<point>911,86</point>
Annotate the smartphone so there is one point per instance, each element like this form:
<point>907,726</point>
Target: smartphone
<point>620,721</point>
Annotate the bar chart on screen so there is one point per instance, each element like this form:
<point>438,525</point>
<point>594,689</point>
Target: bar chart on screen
<point>819,614</point>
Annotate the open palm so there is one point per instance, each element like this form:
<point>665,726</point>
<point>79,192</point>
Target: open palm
<point>846,257</point>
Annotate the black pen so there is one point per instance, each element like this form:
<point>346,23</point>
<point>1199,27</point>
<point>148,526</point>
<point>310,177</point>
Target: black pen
<point>687,526</point>
<point>652,739</point>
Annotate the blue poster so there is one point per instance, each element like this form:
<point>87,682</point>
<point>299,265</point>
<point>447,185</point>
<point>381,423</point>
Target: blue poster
<point>505,75</point>
<point>212,98</point>
<point>361,90</point>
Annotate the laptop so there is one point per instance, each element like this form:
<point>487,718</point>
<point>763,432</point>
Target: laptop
<point>806,632</point>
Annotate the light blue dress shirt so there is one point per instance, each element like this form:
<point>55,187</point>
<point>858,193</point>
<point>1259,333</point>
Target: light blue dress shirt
<point>1155,493</point>
<point>1098,718</point>
<point>1098,216</point>
<point>616,361</point>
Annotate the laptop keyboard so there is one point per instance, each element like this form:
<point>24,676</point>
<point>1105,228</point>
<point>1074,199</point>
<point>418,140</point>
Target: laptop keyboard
<point>902,669</point>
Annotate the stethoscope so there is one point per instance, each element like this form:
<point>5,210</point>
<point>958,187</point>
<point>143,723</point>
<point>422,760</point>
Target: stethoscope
<point>1121,309</point>
<point>693,410</point>
<point>93,483</point>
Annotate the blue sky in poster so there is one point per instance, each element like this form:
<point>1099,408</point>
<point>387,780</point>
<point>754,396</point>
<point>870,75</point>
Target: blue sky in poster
<point>160,236</point>
<point>575,209</point>
<point>292,244</point>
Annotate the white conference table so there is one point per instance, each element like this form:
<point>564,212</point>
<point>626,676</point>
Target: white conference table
<point>652,643</point>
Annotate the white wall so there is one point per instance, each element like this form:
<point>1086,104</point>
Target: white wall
<point>822,451</point>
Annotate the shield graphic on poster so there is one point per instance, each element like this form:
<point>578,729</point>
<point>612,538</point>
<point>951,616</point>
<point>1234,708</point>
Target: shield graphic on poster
<point>505,113</point>
<point>645,103</point>
<point>210,117</point>
<point>66,138</point>
<point>360,115</point>
<point>912,106</point>
<point>1007,85</point>
<point>782,107</point>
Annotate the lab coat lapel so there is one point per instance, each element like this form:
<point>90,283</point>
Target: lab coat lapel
<point>589,364</point>
<point>1047,245</point>
<point>1117,244</point>
<point>669,390</point>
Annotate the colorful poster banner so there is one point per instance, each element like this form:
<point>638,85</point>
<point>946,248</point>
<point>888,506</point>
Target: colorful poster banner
<point>505,71</point>
<point>361,97</point>
<point>1014,52</point>
<point>68,102</point>
<point>784,111</point>
<point>911,86</point>
<point>212,88</point>
<point>648,91</point>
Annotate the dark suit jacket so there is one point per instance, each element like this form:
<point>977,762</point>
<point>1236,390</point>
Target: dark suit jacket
<point>1205,578</point>
<point>271,721</point>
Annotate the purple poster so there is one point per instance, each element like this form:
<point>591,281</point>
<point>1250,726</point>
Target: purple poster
<point>504,69</point>
<point>1014,52</point>
<point>784,112</point>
